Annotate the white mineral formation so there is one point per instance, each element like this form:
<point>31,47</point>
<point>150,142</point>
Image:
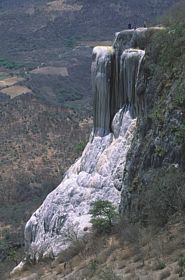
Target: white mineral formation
<point>98,173</point>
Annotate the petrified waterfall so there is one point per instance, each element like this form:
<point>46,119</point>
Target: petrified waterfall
<point>114,80</point>
<point>98,173</point>
<point>103,60</point>
<point>130,63</point>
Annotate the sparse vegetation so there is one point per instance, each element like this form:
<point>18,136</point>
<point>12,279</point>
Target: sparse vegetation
<point>108,274</point>
<point>11,247</point>
<point>160,264</point>
<point>163,197</point>
<point>10,64</point>
<point>93,265</point>
<point>180,95</point>
<point>115,260</point>
<point>3,75</point>
<point>157,115</point>
<point>181,264</point>
<point>180,133</point>
<point>160,151</point>
<point>79,147</point>
<point>40,173</point>
<point>33,161</point>
<point>169,45</point>
<point>71,42</point>
<point>66,95</point>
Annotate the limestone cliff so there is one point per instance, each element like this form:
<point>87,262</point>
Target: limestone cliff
<point>121,90</point>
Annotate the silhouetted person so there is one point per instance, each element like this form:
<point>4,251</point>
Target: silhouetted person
<point>129,26</point>
<point>144,25</point>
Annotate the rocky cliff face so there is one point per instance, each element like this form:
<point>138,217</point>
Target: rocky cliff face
<point>154,171</point>
<point>119,88</point>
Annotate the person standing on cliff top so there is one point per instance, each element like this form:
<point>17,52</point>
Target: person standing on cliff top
<point>129,26</point>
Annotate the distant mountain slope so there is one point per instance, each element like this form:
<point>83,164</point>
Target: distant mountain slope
<point>43,24</point>
<point>57,33</point>
<point>61,33</point>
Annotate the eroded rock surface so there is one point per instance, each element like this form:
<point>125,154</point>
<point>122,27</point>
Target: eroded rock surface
<point>98,174</point>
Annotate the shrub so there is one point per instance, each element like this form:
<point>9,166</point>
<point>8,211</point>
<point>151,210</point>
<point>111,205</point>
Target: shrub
<point>181,264</point>
<point>160,265</point>
<point>180,95</point>
<point>93,265</point>
<point>79,147</point>
<point>103,213</point>
<point>180,133</point>
<point>108,274</point>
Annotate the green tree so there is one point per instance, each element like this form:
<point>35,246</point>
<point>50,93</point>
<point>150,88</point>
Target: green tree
<point>103,214</point>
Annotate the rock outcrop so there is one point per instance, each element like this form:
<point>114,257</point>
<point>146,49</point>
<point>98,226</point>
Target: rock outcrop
<point>153,181</point>
<point>117,80</point>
